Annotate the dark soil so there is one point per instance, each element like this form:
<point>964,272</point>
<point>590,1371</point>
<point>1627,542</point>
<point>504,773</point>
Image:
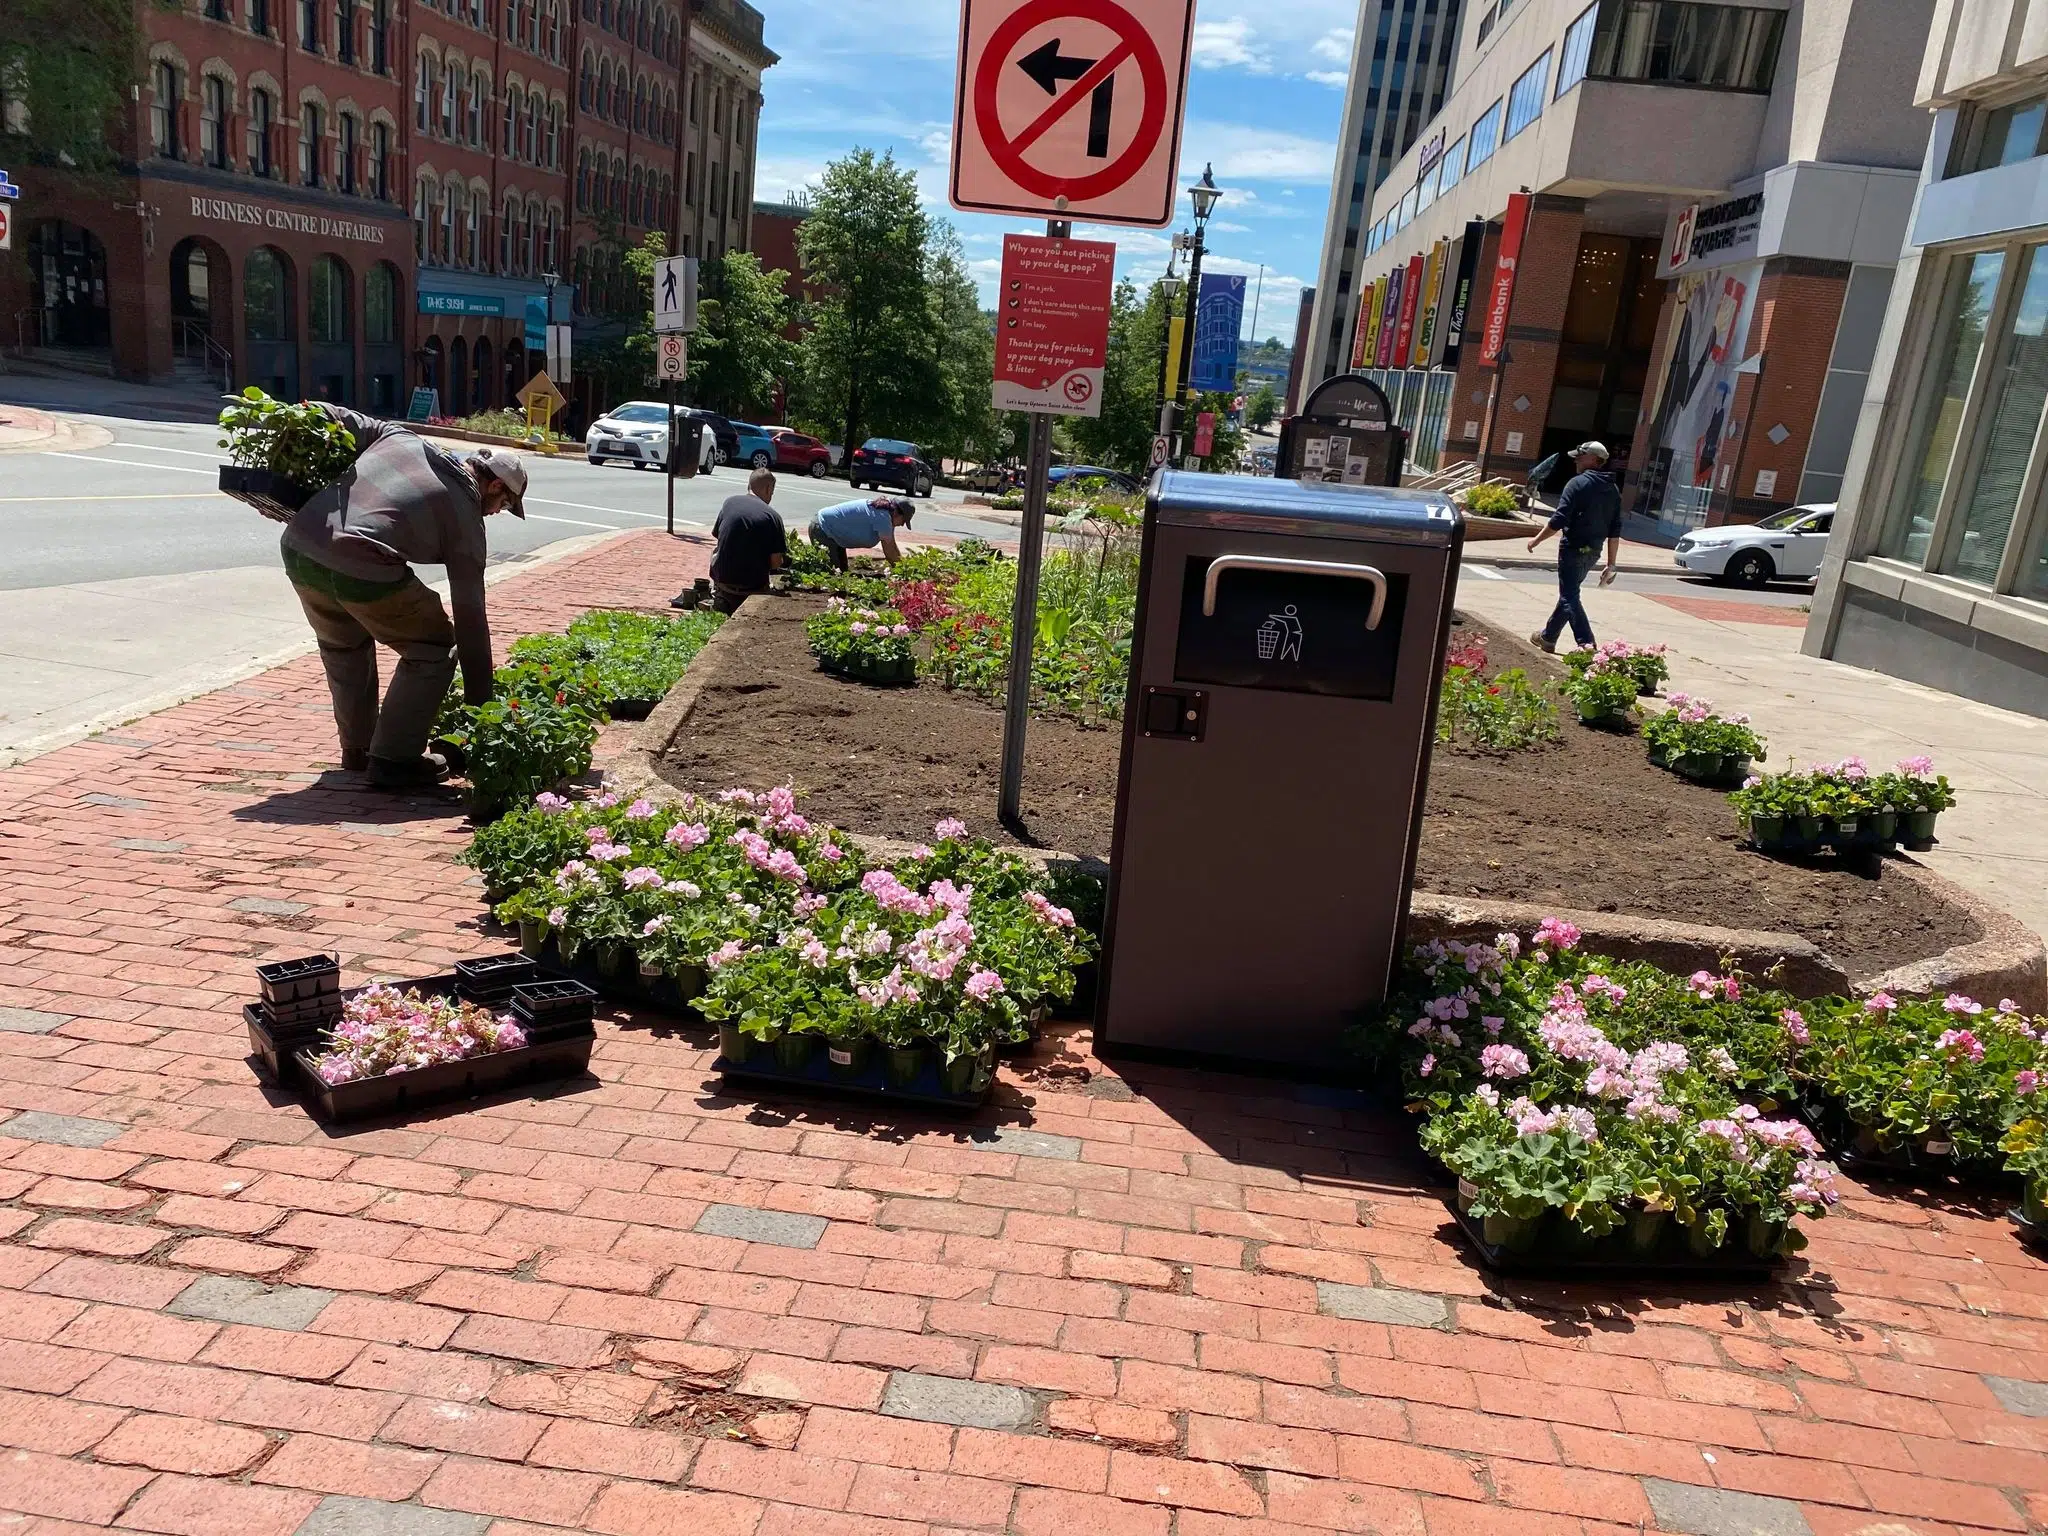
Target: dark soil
<point>1586,823</point>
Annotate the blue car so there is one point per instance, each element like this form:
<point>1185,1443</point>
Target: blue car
<point>756,447</point>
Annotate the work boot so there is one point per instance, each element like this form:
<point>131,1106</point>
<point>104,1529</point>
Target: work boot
<point>355,759</point>
<point>407,773</point>
<point>1543,643</point>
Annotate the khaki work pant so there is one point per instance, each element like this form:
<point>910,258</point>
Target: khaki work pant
<point>350,619</point>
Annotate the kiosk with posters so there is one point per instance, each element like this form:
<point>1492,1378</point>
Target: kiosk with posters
<point>1345,435</point>
<point>1284,676</point>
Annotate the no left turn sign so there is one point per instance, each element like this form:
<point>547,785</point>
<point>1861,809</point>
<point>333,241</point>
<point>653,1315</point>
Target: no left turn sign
<point>1071,108</point>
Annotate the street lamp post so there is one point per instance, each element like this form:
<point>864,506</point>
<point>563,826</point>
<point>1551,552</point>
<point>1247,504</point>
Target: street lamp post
<point>1203,194</point>
<point>1169,290</point>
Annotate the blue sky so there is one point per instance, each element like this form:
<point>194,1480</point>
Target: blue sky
<point>1263,103</point>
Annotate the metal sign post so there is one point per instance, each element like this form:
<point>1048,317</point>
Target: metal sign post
<point>675,315</point>
<point>1024,609</point>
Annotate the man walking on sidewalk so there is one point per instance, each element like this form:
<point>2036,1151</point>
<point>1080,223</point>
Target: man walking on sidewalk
<point>349,553</point>
<point>1588,514</point>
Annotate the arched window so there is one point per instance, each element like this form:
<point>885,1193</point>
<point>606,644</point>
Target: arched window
<point>506,220</point>
<point>640,104</point>
<point>534,228</point>
<point>477,106</point>
<point>551,246</point>
<point>380,304</point>
<point>646,28</point>
<point>327,302</point>
<point>633,198</point>
<point>554,155</point>
<point>583,182</point>
<point>618,185</point>
<point>266,295</point>
<point>448,103</point>
<point>166,87</point>
<point>604,14</point>
<point>512,20</point>
<point>484,374</point>
<point>531,147</point>
<point>423,93</point>
<point>421,196</point>
<point>473,229</point>
<point>510,145</point>
<point>604,88</point>
<point>451,206</point>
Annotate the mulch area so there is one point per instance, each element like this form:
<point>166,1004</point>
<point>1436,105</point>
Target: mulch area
<point>1586,824</point>
<point>633,1304</point>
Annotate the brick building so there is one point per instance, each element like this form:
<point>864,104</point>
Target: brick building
<point>1717,197</point>
<point>344,198</point>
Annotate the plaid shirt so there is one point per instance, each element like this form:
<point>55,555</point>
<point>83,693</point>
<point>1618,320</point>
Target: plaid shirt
<point>404,503</point>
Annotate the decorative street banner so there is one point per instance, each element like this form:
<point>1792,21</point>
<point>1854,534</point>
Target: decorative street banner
<point>1501,297</point>
<point>1411,300</point>
<point>1390,315</point>
<point>1374,301</point>
<point>1459,318</point>
<point>1052,324</point>
<point>1218,316</point>
<point>1432,301</point>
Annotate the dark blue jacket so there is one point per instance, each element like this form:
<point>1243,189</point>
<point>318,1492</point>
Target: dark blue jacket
<point>1589,512</point>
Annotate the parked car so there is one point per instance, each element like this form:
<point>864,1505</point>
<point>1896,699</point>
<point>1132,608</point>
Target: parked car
<point>636,433</point>
<point>1113,479</point>
<point>1786,546</point>
<point>993,479</point>
<point>753,445</point>
<point>889,461</point>
<point>794,450</point>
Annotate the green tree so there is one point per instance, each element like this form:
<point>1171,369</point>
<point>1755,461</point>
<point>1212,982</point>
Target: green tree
<point>1263,406</point>
<point>868,354</point>
<point>963,422</point>
<point>66,66</point>
<point>1121,437</point>
<point>739,354</point>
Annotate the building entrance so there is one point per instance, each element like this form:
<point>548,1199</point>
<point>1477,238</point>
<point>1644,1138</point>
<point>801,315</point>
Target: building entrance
<point>68,270</point>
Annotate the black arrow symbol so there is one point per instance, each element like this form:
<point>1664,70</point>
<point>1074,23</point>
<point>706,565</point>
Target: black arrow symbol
<point>1048,67</point>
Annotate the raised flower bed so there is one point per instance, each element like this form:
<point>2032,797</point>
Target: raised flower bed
<point>629,660</point>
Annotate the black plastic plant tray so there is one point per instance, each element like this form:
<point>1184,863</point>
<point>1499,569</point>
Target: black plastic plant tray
<point>630,709</point>
<point>1900,1165</point>
<point>301,980</point>
<point>546,1002</point>
<point>2032,1233</point>
<point>275,1048</point>
<point>490,979</point>
<point>1605,1259</point>
<point>927,1092</point>
<point>447,1081</point>
<point>270,493</point>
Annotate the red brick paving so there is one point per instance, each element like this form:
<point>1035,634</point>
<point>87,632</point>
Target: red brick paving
<point>526,1328</point>
<point>1725,612</point>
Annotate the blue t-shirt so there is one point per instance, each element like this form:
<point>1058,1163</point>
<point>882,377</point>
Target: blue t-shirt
<point>857,524</point>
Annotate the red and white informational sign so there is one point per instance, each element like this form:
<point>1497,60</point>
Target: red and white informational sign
<point>6,229</point>
<point>1071,109</point>
<point>1205,434</point>
<point>1501,293</point>
<point>1052,324</point>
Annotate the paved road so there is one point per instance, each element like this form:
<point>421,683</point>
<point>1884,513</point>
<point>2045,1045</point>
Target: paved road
<point>145,505</point>
<point>132,582</point>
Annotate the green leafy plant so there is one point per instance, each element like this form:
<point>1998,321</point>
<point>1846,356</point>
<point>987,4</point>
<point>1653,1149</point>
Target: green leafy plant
<point>536,730</point>
<point>300,442</point>
<point>1504,713</point>
<point>625,656</point>
<point>1647,664</point>
<point>1602,693</point>
<point>1488,500</point>
<point>1690,728</point>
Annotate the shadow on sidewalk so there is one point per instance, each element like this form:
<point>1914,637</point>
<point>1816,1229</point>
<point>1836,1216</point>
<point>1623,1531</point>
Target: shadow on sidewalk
<point>343,798</point>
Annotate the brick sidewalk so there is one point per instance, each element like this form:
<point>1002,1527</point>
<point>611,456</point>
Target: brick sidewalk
<point>1157,1302</point>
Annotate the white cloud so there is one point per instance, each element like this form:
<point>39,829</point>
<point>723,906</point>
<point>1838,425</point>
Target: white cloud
<point>937,141</point>
<point>778,176</point>
<point>1335,77</point>
<point>1228,44</point>
<point>1222,228</point>
<point>1334,45</point>
<point>1239,151</point>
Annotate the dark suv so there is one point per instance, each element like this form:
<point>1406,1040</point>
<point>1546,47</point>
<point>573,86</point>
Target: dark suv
<point>723,432</point>
<point>890,461</point>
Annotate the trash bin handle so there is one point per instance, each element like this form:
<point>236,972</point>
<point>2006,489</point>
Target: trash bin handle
<point>1224,563</point>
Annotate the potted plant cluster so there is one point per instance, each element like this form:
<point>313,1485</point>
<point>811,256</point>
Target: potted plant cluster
<point>1604,1113</point>
<point>1501,713</point>
<point>1933,1084</point>
<point>904,985</point>
<point>1647,664</point>
<point>279,454</point>
<point>630,659</point>
<point>2026,1148</point>
<point>1695,743</point>
<point>1843,806</point>
<point>870,645</point>
<point>397,1048</point>
<point>535,732</point>
<point>817,968</point>
<point>1604,694</point>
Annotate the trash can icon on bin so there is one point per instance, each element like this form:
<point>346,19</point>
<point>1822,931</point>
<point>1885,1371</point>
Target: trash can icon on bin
<point>1285,668</point>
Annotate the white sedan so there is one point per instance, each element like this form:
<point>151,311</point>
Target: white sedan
<point>1786,546</point>
<point>637,434</point>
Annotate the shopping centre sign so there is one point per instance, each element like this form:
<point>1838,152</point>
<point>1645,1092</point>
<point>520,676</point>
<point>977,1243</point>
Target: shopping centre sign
<point>226,210</point>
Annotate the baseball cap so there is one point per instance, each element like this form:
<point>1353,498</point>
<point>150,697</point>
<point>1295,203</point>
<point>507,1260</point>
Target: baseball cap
<point>509,471</point>
<point>1597,449</point>
<point>904,505</point>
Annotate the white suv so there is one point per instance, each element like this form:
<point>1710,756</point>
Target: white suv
<point>1786,546</point>
<point>637,433</point>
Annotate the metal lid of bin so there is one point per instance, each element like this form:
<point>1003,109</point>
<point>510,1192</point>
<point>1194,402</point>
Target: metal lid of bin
<point>1258,504</point>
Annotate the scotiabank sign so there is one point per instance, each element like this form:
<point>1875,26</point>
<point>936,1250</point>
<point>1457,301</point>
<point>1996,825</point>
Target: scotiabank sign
<point>1500,296</point>
<point>226,210</point>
